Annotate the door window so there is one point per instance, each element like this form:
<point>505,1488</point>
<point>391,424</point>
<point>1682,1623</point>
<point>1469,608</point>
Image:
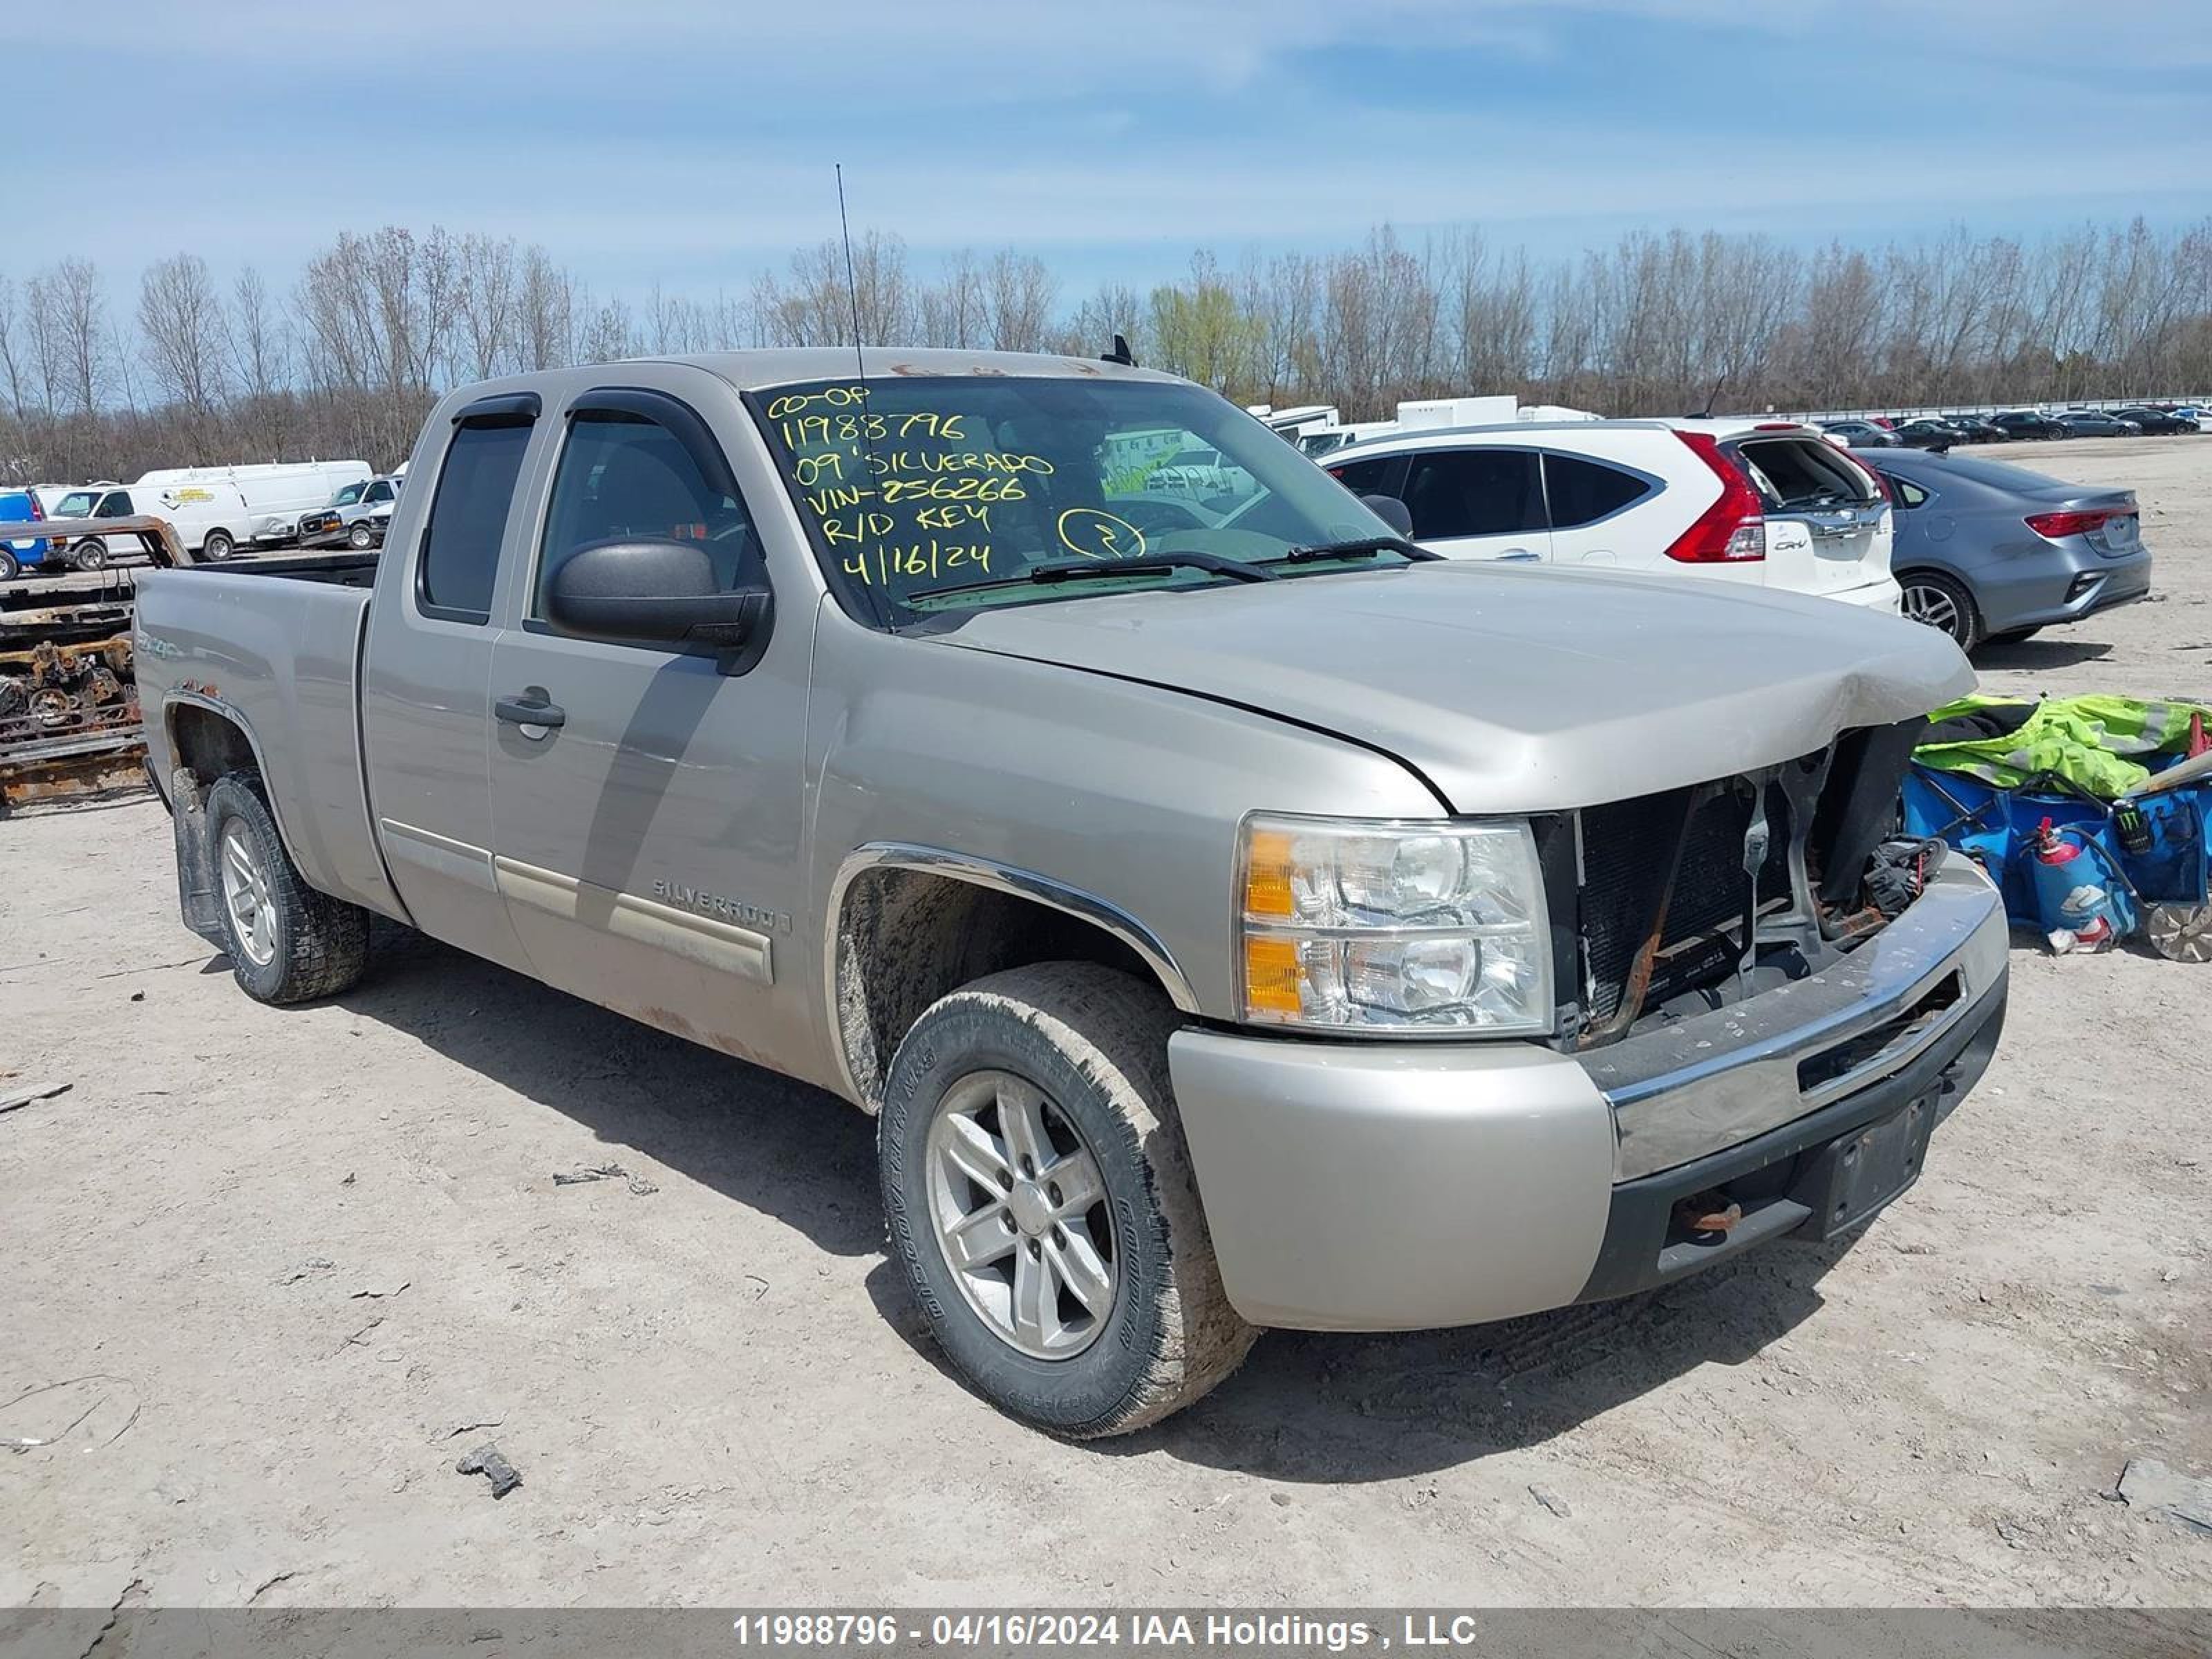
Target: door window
<point>623,475</point>
<point>1580,492</point>
<point>468,518</point>
<point>117,506</point>
<point>1368,477</point>
<point>1474,492</point>
<point>377,492</point>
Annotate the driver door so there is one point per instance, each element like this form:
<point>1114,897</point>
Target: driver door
<point>646,806</point>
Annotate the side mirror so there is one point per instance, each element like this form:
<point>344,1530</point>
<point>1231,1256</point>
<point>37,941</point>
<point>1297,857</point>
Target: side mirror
<point>659,591</point>
<point>1392,511</point>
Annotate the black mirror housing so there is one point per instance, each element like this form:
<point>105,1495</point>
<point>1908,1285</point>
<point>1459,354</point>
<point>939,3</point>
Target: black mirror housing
<point>659,591</point>
<point>1392,511</point>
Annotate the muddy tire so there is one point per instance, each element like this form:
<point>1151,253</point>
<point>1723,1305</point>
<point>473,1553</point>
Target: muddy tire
<point>1030,1133</point>
<point>288,942</point>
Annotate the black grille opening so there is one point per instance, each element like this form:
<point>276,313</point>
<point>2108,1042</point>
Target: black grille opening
<point>1627,849</point>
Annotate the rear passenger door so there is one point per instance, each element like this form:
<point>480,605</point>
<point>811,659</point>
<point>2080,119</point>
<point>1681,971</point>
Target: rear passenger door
<point>425,706</point>
<point>1484,501</point>
<point>1591,507</point>
<point>647,808</point>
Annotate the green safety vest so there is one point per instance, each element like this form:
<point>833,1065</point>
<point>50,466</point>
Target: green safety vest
<point>2089,741</point>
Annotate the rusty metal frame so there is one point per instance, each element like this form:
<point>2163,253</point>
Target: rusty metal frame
<point>110,750</point>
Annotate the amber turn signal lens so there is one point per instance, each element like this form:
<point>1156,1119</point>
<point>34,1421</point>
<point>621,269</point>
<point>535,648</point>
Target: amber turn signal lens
<point>1270,976</point>
<point>1268,875</point>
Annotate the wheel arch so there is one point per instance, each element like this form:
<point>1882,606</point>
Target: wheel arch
<point>907,924</point>
<point>208,740</point>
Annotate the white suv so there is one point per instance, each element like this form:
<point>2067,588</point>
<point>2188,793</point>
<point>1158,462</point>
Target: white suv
<point>1768,503</point>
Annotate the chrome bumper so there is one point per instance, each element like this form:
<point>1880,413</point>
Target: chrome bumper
<point>1704,1084</point>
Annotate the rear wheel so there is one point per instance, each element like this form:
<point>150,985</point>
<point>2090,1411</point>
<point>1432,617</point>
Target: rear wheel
<point>288,942</point>
<point>1941,603</point>
<point>1040,1198</point>
<point>218,545</point>
<point>10,569</point>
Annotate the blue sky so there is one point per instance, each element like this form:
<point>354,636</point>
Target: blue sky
<point>644,140</point>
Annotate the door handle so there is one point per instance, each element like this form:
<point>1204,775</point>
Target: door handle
<point>529,711</point>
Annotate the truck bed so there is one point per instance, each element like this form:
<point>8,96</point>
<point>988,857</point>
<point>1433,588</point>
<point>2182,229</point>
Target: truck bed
<point>277,643</point>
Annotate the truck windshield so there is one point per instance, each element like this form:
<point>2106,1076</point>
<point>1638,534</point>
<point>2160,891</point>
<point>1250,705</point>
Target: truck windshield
<point>932,494</point>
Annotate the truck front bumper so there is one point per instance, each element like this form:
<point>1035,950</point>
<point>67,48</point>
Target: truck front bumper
<point>1381,1186</point>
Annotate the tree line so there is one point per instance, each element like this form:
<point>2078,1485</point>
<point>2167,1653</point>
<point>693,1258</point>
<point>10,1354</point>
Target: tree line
<point>346,360</point>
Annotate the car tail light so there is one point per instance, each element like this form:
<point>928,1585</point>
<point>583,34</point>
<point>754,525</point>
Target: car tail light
<point>2058,526</point>
<point>38,513</point>
<point>1733,530</point>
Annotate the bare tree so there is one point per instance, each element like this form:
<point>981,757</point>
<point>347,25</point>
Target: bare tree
<point>182,322</point>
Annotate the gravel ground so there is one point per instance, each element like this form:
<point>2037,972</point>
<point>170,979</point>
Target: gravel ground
<point>270,1272</point>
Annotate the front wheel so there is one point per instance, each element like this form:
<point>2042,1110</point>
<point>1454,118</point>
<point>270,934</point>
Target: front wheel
<point>90,553</point>
<point>1040,1197</point>
<point>288,941</point>
<point>361,537</point>
<point>1942,603</point>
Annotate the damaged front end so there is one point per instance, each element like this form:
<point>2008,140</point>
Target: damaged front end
<point>1694,898</point>
<point>1752,950</point>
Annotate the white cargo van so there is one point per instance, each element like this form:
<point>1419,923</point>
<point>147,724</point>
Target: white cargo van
<point>211,520</point>
<point>275,493</point>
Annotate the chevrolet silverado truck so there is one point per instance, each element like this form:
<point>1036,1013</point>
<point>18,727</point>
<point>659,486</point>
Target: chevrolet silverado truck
<point>1234,915</point>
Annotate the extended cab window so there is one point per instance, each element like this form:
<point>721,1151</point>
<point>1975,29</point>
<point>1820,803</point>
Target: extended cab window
<point>1580,492</point>
<point>1474,492</point>
<point>623,477</point>
<point>468,517</point>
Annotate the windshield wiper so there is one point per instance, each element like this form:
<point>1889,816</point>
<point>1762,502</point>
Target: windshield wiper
<point>1360,547</point>
<point>1084,570</point>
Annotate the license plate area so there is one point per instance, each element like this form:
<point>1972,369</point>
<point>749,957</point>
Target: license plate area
<point>1857,1173</point>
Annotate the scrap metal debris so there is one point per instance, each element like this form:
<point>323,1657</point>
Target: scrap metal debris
<point>46,1092</point>
<point>2185,1499</point>
<point>577,1177</point>
<point>489,1462</point>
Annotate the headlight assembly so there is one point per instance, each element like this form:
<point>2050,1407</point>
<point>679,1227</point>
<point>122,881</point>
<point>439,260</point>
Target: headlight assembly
<point>1392,926</point>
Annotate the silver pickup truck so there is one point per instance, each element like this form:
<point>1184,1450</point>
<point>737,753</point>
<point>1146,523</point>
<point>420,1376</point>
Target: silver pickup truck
<point>1233,915</point>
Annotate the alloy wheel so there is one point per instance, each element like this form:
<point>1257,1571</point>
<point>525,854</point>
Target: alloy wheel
<point>1932,605</point>
<point>1018,1205</point>
<point>246,895</point>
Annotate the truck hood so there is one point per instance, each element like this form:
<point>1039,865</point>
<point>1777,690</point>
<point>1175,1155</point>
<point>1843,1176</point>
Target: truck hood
<point>1512,690</point>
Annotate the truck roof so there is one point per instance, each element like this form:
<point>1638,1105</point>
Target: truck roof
<point>750,371</point>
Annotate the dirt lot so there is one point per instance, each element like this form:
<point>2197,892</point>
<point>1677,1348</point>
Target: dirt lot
<point>273,1271</point>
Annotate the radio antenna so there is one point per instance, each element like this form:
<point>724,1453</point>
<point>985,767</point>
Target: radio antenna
<point>852,283</point>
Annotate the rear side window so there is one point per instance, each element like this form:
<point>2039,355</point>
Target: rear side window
<point>1474,492</point>
<point>1366,477</point>
<point>1580,492</point>
<point>621,476</point>
<point>1908,494</point>
<point>468,517</point>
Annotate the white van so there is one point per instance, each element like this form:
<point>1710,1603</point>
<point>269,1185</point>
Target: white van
<point>276,492</point>
<point>211,520</point>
